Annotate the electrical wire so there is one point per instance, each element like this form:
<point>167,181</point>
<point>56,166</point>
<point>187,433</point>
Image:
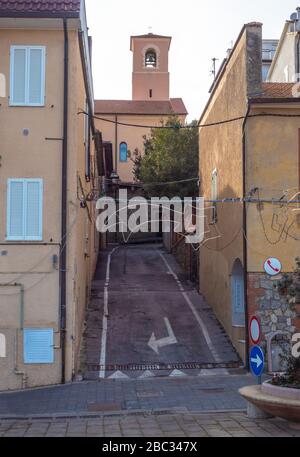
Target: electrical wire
<point>198,125</point>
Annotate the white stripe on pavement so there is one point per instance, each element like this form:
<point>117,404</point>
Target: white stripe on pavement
<point>194,311</point>
<point>105,316</point>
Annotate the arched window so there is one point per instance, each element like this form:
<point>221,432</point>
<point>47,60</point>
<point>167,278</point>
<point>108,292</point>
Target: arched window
<point>123,152</point>
<point>150,59</point>
<point>237,293</point>
<point>2,346</point>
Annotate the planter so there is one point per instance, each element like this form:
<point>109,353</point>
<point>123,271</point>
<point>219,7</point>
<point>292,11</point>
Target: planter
<point>274,400</point>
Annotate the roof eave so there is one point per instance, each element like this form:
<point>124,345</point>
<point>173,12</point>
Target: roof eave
<point>266,101</point>
<point>41,14</point>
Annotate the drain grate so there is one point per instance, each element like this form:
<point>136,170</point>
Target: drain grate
<point>163,366</point>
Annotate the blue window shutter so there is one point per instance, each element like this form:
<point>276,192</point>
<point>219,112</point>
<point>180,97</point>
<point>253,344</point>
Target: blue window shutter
<point>34,205</point>
<point>35,62</point>
<point>18,76</point>
<point>15,209</point>
<point>38,346</point>
<point>123,152</point>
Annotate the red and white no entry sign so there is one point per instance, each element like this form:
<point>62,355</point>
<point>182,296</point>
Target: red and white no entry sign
<point>255,330</point>
<point>272,266</point>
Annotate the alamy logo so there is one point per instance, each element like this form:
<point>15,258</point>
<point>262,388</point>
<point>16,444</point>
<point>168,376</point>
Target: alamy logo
<point>296,345</point>
<point>141,215</point>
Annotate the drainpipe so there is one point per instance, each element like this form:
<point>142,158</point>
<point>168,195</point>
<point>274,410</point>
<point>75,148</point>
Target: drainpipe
<point>245,251</point>
<point>116,143</point>
<point>298,58</point>
<point>16,369</point>
<point>64,187</point>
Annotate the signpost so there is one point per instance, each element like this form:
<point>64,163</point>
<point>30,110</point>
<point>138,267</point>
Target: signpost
<point>257,362</point>
<point>255,330</point>
<point>272,266</point>
<point>257,358</point>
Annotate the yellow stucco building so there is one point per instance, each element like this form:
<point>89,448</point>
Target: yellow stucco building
<point>48,244</point>
<point>249,171</point>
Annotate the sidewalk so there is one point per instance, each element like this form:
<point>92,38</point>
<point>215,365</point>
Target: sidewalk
<point>200,394</point>
<point>175,425</point>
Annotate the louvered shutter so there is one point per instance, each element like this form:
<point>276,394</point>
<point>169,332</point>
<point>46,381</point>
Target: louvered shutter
<point>35,90</point>
<point>33,215</point>
<point>38,346</point>
<point>18,76</point>
<point>15,206</point>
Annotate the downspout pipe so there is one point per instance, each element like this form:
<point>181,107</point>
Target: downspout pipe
<point>245,247</point>
<point>64,189</point>
<point>298,58</point>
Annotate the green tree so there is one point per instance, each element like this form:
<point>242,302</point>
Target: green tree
<point>170,155</point>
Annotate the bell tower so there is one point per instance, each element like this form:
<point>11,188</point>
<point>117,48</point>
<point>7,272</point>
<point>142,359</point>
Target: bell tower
<point>150,77</point>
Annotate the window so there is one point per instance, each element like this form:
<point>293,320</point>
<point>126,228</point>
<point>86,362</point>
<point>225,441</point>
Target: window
<point>214,194</point>
<point>123,152</point>
<point>38,346</point>
<point>150,93</point>
<point>150,59</point>
<point>27,75</point>
<point>24,209</point>
<point>2,346</point>
<point>238,297</point>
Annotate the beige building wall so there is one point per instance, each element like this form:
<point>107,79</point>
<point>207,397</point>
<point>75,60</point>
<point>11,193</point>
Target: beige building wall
<point>273,167</point>
<point>31,264</point>
<point>221,151</point>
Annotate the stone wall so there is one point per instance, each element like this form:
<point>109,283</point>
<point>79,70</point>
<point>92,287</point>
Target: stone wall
<point>272,308</point>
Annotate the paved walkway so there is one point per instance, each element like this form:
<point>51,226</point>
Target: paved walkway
<point>174,425</point>
<point>200,394</point>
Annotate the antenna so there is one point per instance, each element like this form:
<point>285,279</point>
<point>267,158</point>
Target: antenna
<point>213,71</point>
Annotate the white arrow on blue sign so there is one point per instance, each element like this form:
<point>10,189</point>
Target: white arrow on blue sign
<point>257,361</point>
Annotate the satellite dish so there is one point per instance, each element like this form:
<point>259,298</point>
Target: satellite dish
<point>294,17</point>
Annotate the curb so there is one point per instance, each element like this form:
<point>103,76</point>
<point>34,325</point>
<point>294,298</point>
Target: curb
<point>140,412</point>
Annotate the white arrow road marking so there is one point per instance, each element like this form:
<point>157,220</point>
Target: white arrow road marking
<point>168,341</point>
<point>119,375</point>
<point>201,323</point>
<point>258,361</point>
<point>177,374</point>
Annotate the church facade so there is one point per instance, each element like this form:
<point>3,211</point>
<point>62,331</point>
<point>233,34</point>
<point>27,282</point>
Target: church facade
<point>125,122</point>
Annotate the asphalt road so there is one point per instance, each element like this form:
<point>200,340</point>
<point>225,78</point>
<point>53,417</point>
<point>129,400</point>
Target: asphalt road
<point>151,316</point>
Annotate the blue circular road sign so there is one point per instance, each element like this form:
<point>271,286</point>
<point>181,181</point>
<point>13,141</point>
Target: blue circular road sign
<point>257,360</point>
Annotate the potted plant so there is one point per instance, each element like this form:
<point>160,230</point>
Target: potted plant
<point>280,396</point>
<point>289,286</point>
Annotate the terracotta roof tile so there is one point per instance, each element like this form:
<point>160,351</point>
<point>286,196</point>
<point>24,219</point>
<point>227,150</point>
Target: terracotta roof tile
<point>174,106</point>
<point>38,6</point>
<point>276,91</point>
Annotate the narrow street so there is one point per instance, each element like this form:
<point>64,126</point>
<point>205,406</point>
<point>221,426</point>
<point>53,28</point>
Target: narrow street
<point>145,320</point>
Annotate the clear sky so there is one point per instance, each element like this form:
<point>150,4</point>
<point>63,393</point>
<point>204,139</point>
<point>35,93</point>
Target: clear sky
<point>201,30</point>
